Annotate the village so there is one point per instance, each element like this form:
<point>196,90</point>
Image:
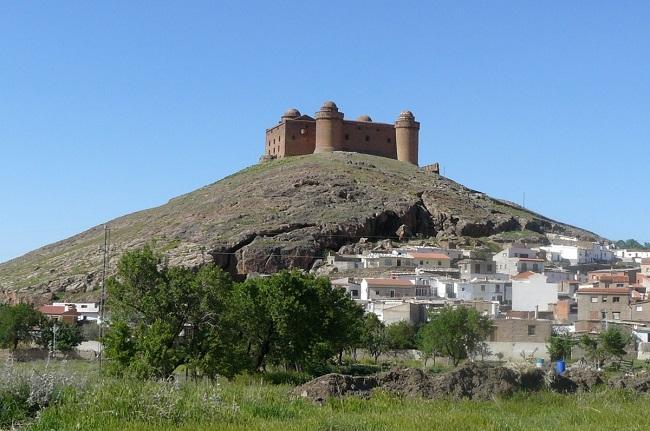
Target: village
<point>566,287</point>
<point>529,293</point>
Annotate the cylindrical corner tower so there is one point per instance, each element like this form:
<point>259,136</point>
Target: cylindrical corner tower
<point>329,128</point>
<point>407,131</point>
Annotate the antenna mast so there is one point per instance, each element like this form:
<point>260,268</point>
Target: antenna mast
<point>102,300</point>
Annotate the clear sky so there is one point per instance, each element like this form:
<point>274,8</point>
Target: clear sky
<point>111,107</point>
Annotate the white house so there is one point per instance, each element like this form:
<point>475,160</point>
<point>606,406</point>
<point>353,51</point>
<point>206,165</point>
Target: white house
<point>516,259</point>
<point>580,253</point>
<point>88,311</point>
<point>379,288</point>
<point>429,260</point>
<point>531,291</point>
<point>386,260</point>
<point>491,290</point>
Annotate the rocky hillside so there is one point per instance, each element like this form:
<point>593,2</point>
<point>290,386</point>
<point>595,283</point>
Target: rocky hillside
<point>278,214</point>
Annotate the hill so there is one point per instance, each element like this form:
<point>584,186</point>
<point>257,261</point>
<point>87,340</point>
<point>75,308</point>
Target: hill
<point>278,214</point>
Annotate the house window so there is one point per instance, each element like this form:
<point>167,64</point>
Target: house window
<point>616,299</point>
<point>482,287</point>
<point>354,293</point>
<point>524,267</point>
<point>616,315</point>
<point>421,262</point>
<point>604,298</point>
<point>497,288</point>
<point>439,263</point>
<point>594,299</point>
<point>531,330</point>
<point>377,292</point>
<point>392,293</point>
<point>603,314</point>
<point>639,308</point>
<point>489,267</point>
<point>477,268</point>
<point>535,267</point>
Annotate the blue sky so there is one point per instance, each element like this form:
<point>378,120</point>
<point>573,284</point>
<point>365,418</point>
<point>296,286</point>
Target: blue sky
<point>111,107</point>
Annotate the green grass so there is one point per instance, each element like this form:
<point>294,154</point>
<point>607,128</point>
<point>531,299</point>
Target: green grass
<point>111,404</point>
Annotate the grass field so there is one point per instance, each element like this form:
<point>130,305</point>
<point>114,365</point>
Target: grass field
<point>103,403</point>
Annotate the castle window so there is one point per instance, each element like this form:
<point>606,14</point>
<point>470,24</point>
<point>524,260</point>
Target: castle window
<point>367,138</point>
<point>347,137</point>
<point>279,138</point>
<point>293,137</point>
<point>303,131</point>
<point>388,140</point>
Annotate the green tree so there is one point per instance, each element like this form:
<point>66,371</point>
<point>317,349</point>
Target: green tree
<point>67,336</point>
<point>18,324</point>
<point>609,344</point>
<point>427,343</point>
<point>374,338</point>
<point>400,336</point>
<point>559,346</point>
<point>457,332</point>
<point>295,320</point>
<point>163,317</point>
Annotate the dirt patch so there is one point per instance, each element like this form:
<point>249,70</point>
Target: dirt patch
<point>410,382</point>
<point>476,381</point>
<point>639,383</point>
<point>336,385</point>
<point>584,378</point>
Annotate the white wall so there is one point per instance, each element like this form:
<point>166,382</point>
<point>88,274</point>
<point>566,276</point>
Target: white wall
<point>533,292</point>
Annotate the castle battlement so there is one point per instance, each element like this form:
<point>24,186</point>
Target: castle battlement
<point>297,134</point>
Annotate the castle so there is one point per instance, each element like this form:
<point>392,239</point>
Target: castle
<point>297,134</point>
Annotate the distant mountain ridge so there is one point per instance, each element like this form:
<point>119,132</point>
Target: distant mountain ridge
<point>278,214</point>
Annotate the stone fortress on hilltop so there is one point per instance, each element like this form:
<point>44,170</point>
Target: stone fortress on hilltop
<point>297,134</point>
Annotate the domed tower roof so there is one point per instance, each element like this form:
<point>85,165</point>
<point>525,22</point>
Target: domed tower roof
<point>406,115</point>
<point>291,113</point>
<point>329,104</point>
<point>364,118</point>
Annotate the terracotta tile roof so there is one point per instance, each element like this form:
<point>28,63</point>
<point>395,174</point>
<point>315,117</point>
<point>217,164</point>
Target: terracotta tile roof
<point>604,290</point>
<point>389,282</point>
<point>51,309</point>
<point>523,275</point>
<point>428,255</point>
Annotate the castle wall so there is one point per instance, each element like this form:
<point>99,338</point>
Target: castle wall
<point>300,137</point>
<point>275,141</point>
<point>369,138</point>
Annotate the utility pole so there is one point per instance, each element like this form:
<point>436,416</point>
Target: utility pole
<point>102,300</point>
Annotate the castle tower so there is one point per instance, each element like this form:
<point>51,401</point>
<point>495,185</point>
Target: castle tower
<point>329,128</point>
<point>406,137</point>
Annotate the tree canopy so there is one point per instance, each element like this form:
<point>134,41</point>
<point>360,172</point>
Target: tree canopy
<point>163,317</point>
<point>455,332</point>
<point>18,324</point>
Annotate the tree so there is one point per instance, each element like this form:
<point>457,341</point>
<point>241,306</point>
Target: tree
<point>67,336</point>
<point>296,320</point>
<point>559,346</point>
<point>456,332</point>
<point>373,337</point>
<point>17,324</point>
<point>400,336</point>
<point>427,343</point>
<point>608,344</point>
<point>163,317</point>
